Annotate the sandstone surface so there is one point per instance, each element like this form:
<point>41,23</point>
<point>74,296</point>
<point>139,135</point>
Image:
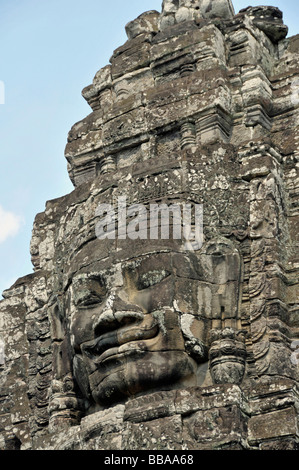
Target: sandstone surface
<point>129,342</point>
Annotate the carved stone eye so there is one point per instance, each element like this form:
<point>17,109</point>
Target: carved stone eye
<point>152,278</point>
<point>218,249</point>
<point>88,291</point>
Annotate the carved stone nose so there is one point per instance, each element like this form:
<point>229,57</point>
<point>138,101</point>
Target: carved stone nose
<point>122,305</point>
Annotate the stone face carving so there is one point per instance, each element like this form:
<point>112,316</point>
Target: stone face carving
<point>134,340</point>
<point>130,339</point>
<point>132,330</point>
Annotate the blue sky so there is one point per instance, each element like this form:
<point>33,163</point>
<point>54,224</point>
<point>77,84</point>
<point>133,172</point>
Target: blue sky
<point>51,50</point>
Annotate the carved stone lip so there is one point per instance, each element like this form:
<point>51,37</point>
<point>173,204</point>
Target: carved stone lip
<point>115,354</point>
<point>112,343</point>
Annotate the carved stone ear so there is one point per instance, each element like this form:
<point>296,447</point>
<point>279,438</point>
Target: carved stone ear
<point>227,356</point>
<point>81,376</point>
<point>194,346</point>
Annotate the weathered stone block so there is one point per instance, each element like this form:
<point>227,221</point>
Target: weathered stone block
<point>160,434</point>
<point>217,427</point>
<point>136,56</point>
<point>145,23</point>
<point>269,426</point>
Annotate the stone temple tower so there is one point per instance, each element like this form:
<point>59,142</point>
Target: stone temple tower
<point>141,331</point>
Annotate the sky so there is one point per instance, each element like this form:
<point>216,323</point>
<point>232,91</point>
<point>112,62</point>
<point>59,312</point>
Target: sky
<point>50,51</point>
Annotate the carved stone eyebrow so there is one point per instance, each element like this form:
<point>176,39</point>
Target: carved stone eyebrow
<point>152,278</point>
<point>88,290</point>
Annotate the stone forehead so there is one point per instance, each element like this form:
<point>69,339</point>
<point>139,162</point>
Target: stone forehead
<point>147,256</point>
